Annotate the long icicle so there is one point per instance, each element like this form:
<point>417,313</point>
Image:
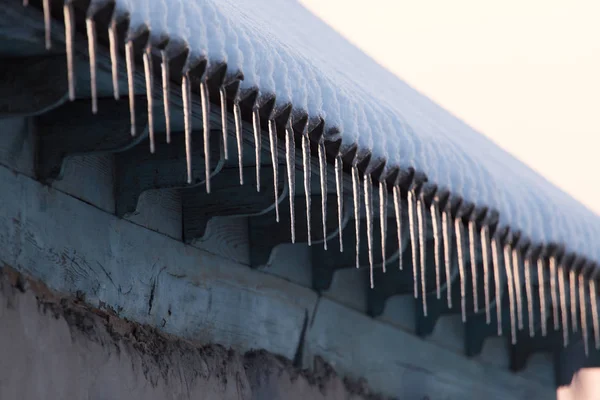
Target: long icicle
<point>339,189</point>
<point>529,294</point>
<point>205,101</point>
<point>47,24</point>
<point>511,293</point>
<point>166,78</point>
<point>257,145</point>
<point>237,117</point>
<point>498,295</point>
<point>473,260</point>
<point>90,25</point>
<point>422,248</point>
<point>413,240</point>
<point>368,193</point>
<point>542,296</point>
<point>356,198</point>
<point>516,264</point>
<point>114,57</point>
<point>274,163</point>
<point>383,204</point>
<point>224,135</point>
<point>594,309</point>
<point>435,222</point>
<point>583,313</point>
<point>458,228</point>
<point>290,163</point>
<point>307,182</point>
<point>130,64</point>
<point>563,304</point>
<point>398,211</point>
<point>554,293</point>
<point>186,92</point>
<point>323,178</point>
<point>149,75</point>
<point>447,249</point>
<point>69,39</point>
<point>573,299</point>
<point>484,236</point>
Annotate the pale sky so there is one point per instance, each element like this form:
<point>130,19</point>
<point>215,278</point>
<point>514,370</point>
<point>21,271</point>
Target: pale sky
<point>526,73</point>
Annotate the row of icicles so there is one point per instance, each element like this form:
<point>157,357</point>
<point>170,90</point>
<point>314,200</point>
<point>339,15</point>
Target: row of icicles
<point>491,248</point>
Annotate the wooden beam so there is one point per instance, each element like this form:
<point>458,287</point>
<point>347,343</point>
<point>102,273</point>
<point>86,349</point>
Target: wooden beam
<point>72,130</point>
<point>137,170</point>
<point>228,198</point>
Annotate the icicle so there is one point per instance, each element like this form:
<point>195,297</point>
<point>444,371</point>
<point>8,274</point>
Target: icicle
<point>307,184</point>
<point>205,101</point>
<point>25,3</point>
<point>398,211</point>
<point>323,177</point>
<point>186,92</point>
<point>90,25</point>
<point>275,164</point>
<point>223,99</point>
<point>435,222</point>
<point>529,293</point>
<point>149,75</point>
<point>542,295</point>
<point>114,57</point>
<point>339,182</point>
<point>166,76</point>
<point>422,248</point>
<point>583,313</point>
<point>47,24</point>
<point>413,240</point>
<point>594,308</point>
<point>129,61</point>
<point>563,304</point>
<point>554,293</point>
<point>368,187</point>
<point>257,145</point>
<point>447,248</point>
<point>573,300</point>
<point>473,265</point>
<point>290,162</point>
<point>69,33</point>
<point>496,266</point>
<point>356,198</point>
<point>237,116</point>
<point>458,228</point>
<point>511,293</point>
<point>383,201</point>
<point>484,236</point>
<point>516,263</point>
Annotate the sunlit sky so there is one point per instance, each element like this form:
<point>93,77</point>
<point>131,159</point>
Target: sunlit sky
<point>524,73</point>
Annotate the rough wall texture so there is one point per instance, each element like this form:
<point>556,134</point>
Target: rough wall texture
<point>60,348</point>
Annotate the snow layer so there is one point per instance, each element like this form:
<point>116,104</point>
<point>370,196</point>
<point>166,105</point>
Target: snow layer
<point>284,49</point>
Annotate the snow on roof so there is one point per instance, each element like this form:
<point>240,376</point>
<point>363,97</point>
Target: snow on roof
<point>283,49</point>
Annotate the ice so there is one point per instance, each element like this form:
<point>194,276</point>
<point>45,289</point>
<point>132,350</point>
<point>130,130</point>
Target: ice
<point>422,249</point>
<point>257,144</point>
<point>206,131</point>
<point>323,181</point>
<point>529,294</point>
<point>485,245</point>
<point>473,261</point>
<point>356,198</point>
<point>447,249</point>
<point>290,162</point>
<point>165,75</point>
<point>383,204</point>
<point>583,313</point>
<point>573,300</point>
<point>563,304</point>
<point>458,230</point>
<point>306,160</point>
<point>368,187</point>
<point>412,226</point>
<point>224,134</point>
<point>542,295</point>
<point>186,92</point>
<point>47,24</point>
<point>339,189</point>
<point>92,41</point>
<point>496,266</point>
<point>69,37</point>
<point>114,57</point>
<point>435,222</point>
<point>516,264</point>
<point>274,163</point>
<point>554,293</point>
<point>511,292</point>
<point>130,65</point>
<point>594,306</point>
<point>237,116</point>
<point>149,77</point>
<point>398,212</point>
